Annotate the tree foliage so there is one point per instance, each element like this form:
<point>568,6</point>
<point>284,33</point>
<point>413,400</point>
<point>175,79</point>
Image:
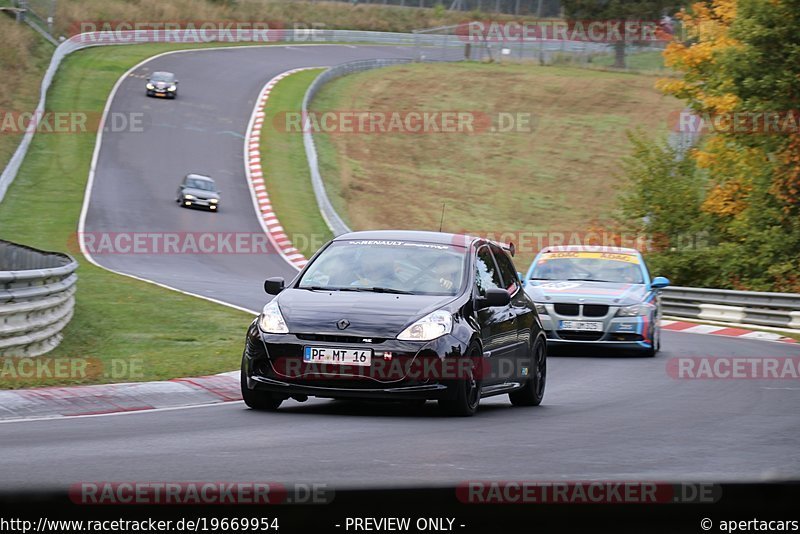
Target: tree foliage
<point>739,57</point>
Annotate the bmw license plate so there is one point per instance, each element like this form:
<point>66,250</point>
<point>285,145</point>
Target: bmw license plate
<point>591,326</point>
<point>338,356</point>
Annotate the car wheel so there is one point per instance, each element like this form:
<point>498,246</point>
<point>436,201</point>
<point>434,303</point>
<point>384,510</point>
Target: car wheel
<point>655,336</point>
<point>467,390</point>
<point>532,393</point>
<point>257,400</point>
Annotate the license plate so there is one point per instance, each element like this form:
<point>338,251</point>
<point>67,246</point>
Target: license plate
<point>338,356</point>
<point>161,94</point>
<point>592,326</point>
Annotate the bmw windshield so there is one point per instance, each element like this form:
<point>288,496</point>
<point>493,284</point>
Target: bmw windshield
<point>588,266</point>
<point>388,266</point>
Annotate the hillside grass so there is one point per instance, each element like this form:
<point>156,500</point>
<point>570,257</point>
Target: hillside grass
<point>562,176</point>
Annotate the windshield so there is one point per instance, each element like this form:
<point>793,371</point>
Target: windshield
<point>591,266</point>
<point>205,185</point>
<point>392,266</point>
<point>163,77</point>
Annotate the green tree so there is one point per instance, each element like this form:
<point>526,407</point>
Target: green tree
<point>621,10</point>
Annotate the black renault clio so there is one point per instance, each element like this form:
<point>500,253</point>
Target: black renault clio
<point>398,315</point>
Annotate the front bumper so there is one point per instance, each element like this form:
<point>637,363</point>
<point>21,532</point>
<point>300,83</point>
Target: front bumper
<point>632,333</point>
<point>200,203</point>
<point>399,370</point>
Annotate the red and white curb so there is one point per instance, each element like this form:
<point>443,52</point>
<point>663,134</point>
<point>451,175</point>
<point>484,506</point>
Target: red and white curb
<point>695,328</point>
<point>255,177</point>
<point>104,399</point>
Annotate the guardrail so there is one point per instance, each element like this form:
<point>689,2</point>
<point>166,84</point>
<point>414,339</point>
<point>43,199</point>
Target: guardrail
<point>776,310</point>
<point>37,298</point>
<point>329,214</point>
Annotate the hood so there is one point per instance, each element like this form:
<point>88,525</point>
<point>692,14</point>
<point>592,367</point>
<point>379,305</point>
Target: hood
<point>610,293</point>
<point>200,193</point>
<point>380,315</point>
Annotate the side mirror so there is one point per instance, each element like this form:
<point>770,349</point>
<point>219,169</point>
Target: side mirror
<point>176,82</point>
<point>274,285</point>
<point>659,282</point>
<point>494,297</point>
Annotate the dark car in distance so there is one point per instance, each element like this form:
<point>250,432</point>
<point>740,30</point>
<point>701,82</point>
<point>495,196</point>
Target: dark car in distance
<point>199,191</point>
<point>398,315</point>
<point>162,84</point>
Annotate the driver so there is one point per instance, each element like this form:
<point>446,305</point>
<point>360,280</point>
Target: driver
<point>375,270</point>
<point>447,269</point>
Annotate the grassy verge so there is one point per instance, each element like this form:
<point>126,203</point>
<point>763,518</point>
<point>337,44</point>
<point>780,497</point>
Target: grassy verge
<point>285,168</point>
<point>560,177</point>
<point>636,61</point>
<point>159,333</point>
<point>24,57</point>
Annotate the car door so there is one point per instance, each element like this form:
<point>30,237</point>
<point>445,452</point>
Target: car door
<point>520,307</point>
<point>496,323</point>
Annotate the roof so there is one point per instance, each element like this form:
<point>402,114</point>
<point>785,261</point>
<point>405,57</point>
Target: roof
<point>199,177</point>
<point>590,248</point>
<point>439,238</point>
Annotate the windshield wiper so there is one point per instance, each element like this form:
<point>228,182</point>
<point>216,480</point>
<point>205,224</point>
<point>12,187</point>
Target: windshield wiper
<point>318,288</point>
<point>589,280</point>
<point>378,290</point>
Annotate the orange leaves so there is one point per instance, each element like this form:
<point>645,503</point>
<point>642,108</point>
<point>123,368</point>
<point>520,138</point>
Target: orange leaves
<point>728,199</point>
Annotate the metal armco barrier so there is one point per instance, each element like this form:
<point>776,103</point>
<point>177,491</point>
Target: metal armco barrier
<point>37,298</point>
<point>778,310</point>
<point>329,214</point>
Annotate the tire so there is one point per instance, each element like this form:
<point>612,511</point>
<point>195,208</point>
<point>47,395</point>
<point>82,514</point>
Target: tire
<point>532,393</point>
<point>655,335</point>
<point>257,400</point>
<point>468,391</point>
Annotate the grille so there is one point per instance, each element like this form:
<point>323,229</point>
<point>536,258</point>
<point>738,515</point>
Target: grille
<point>595,310</point>
<point>626,337</point>
<point>566,309</point>
<point>571,335</point>
<point>333,338</point>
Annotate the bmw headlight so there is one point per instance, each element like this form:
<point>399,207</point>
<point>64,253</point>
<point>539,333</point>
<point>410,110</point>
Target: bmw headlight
<point>173,87</point>
<point>430,327</point>
<point>271,321</point>
<point>188,197</point>
<point>637,310</point>
<point>150,86</point>
<point>540,309</point>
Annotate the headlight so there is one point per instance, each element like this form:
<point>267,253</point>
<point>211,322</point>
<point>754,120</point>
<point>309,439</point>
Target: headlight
<point>540,309</point>
<point>150,86</point>
<point>271,321</point>
<point>431,326</point>
<point>189,197</point>
<point>213,200</point>
<point>173,87</point>
<point>637,310</point>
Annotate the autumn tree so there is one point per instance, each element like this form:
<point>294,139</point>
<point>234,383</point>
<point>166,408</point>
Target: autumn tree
<point>740,59</point>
